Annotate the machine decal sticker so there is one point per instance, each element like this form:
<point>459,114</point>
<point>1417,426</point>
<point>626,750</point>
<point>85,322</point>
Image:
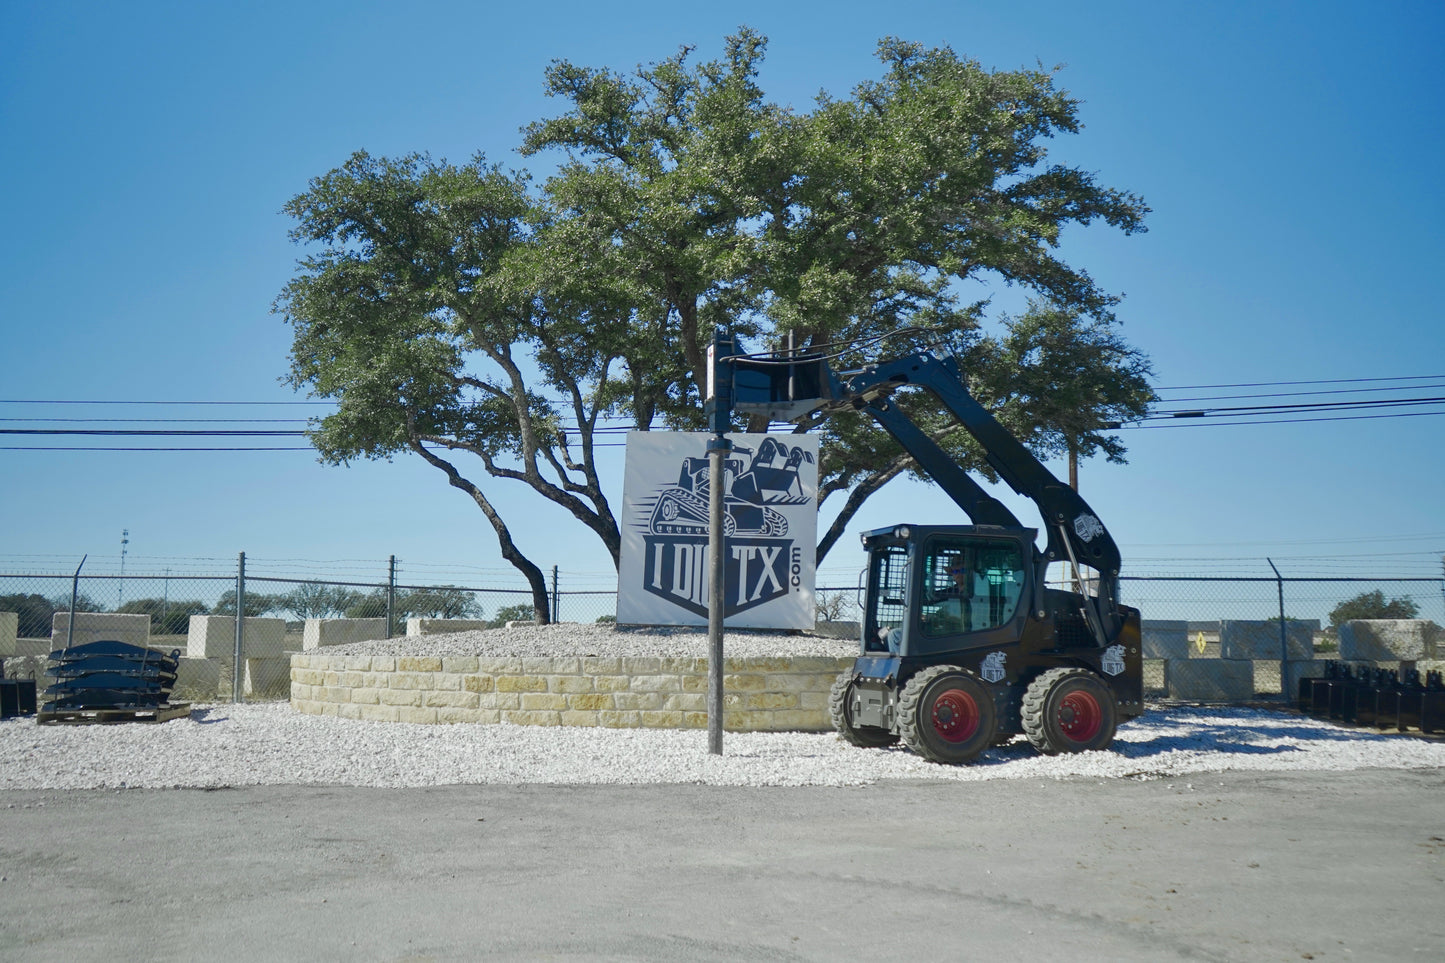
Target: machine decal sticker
<point>769,522</point>
<point>992,667</point>
<point>1088,527</point>
<point>1113,661</point>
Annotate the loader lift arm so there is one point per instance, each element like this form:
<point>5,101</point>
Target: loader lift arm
<point>805,389</point>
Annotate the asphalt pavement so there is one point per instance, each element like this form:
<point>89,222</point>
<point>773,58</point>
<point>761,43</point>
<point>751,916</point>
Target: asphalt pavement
<point>1231,866</point>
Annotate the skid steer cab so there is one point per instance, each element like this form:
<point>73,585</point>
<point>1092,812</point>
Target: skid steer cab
<point>965,647</point>
<point>964,644</point>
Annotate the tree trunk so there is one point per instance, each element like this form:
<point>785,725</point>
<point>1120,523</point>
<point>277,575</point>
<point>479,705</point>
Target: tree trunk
<point>541,601</point>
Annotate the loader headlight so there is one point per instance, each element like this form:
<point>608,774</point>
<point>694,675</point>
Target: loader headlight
<point>902,531</point>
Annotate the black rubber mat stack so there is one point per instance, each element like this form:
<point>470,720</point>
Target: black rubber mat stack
<point>110,681</point>
<point>1382,698</point>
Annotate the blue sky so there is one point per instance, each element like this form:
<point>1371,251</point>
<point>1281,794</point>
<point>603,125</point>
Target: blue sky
<point>1290,153</point>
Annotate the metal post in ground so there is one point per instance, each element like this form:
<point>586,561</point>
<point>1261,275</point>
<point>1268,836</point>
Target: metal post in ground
<point>719,408</point>
<point>74,596</point>
<point>236,673</point>
<point>390,596</point>
<point>1283,636</point>
<point>717,449</point>
<point>555,596</point>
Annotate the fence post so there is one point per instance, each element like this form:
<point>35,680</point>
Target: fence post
<point>1283,636</point>
<point>556,615</point>
<point>236,673</point>
<point>390,596</point>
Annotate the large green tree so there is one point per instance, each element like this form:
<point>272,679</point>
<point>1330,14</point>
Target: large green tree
<point>1372,605</point>
<point>461,310</point>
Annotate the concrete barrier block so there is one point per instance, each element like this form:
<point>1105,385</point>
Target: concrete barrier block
<point>214,637</point>
<point>1294,671</point>
<point>197,680</point>
<point>268,678</point>
<point>322,632</point>
<point>95,626</point>
<point>1390,639</point>
<point>1165,639</point>
<point>40,647</point>
<point>1260,640</point>
<point>1209,680</point>
<point>415,626</point>
<point>9,630</point>
<point>838,630</point>
<point>27,667</point>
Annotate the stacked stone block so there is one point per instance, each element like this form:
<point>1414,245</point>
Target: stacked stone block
<point>9,628</point>
<point>760,694</point>
<point>95,626</point>
<point>1165,639</point>
<point>1246,648</point>
<point>322,632</point>
<point>1209,680</point>
<point>415,626</point>
<point>1391,640</point>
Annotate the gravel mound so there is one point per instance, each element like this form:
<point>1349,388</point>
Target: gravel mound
<point>604,640</point>
<point>270,744</point>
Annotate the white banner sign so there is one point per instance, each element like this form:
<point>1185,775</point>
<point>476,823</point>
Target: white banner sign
<point>770,520</point>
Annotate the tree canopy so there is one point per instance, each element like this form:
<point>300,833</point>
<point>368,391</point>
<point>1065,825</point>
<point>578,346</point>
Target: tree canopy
<point>1372,605</point>
<point>462,310</point>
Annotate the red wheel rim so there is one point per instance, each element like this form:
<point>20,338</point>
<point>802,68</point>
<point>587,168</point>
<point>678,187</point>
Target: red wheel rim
<point>955,716</point>
<point>1080,716</point>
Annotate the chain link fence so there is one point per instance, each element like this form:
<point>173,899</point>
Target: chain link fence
<point>286,594</point>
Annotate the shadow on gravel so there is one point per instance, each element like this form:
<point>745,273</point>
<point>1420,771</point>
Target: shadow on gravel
<point>1251,735</point>
<point>207,716</point>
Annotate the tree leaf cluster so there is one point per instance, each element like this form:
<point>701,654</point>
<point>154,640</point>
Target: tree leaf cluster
<point>463,310</point>
<point>1372,605</point>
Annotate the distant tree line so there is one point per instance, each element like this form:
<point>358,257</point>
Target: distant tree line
<point>172,616</point>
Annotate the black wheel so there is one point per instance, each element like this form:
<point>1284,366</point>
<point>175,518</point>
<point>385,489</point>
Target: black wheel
<point>840,709</point>
<point>946,715</point>
<point>1069,710</point>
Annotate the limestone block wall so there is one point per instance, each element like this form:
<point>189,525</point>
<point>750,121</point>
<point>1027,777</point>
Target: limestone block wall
<point>760,694</point>
<point>321,632</point>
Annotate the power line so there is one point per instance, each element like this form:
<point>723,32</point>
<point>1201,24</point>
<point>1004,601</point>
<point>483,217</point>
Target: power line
<point>1196,423</point>
<point>145,432</point>
<point>33,401</point>
<point>1277,384</point>
<point>1303,407</point>
<point>1287,394</point>
<point>173,421</point>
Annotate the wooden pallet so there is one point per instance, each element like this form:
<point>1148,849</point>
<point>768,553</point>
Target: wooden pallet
<point>84,717</point>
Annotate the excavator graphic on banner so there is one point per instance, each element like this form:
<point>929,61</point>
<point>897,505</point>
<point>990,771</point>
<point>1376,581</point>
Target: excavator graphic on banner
<point>964,643</point>
<point>769,478</point>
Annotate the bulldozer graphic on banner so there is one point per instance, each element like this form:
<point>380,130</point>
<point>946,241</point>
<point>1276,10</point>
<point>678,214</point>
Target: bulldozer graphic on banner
<point>750,487</point>
<point>761,487</point>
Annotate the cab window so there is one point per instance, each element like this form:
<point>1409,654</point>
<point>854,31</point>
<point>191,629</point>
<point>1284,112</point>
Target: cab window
<point>970,584</point>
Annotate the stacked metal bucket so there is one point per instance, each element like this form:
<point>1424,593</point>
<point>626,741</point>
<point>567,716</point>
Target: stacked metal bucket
<point>110,681</point>
<point>1383,698</point>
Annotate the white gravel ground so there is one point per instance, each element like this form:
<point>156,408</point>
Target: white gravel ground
<point>269,744</point>
<point>607,641</point>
